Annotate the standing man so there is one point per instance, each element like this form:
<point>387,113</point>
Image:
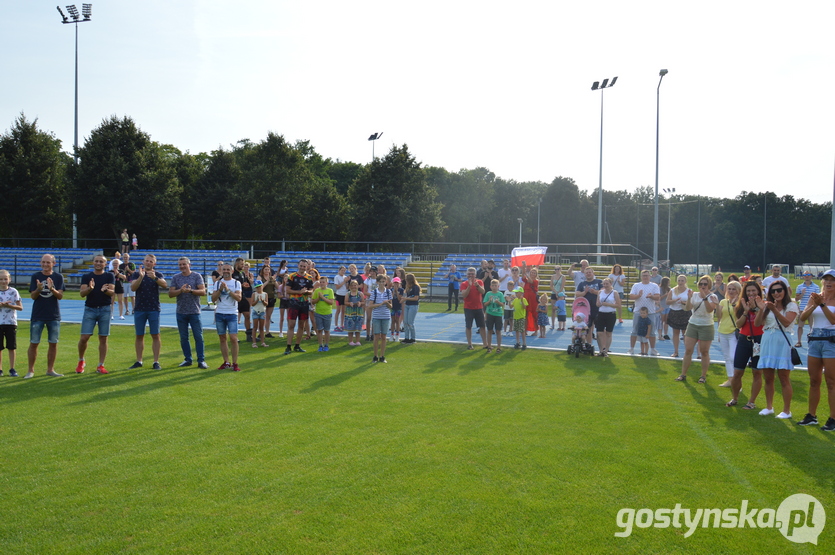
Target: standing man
<point>146,283</point>
<point>472,291</point>
<point>775,276</point>
<point>504,276</point>
<point>747,274</point>
<point>46,288</point>
<point>187,287</point>
<point>299,287</point>
<point>97,289</point>
<point>227,295</point>
<point>645,294</point>
<point>590,288</point>
<point>656,279</point>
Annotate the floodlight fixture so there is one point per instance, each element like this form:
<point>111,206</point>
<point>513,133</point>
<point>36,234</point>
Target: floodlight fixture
<point>73,11</point>
<point>87,11</point>
<point>64,17</point>
<point>372,138</point>
<point>663,72</point>
<point>597,85</point>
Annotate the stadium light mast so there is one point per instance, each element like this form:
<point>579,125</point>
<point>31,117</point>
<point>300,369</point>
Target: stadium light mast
<point>597,85</point>
<point>662,73</point>
<point>520,231</point>
<point>669,191</point>
<point>372,138</point>
<point>86,15</point>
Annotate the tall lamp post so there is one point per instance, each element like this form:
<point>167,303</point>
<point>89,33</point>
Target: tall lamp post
<point>538,211</point>
<point>372,138</point>
<point>86,13</point>
<point>520,231</point>
<point>597,85</point>
<point>669,191</point>
<point>662,73</point>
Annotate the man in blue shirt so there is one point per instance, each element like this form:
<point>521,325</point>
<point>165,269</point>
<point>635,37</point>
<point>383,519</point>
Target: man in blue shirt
<point>46,288</point>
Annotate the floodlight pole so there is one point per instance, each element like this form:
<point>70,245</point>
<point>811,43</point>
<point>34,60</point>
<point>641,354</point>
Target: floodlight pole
<point>538,211</point>
<point>669,217</point>
<point>595,87</point>
<point>373,138</point>
<point>520,231</point>
<point>76,20</point>
<point>662,73</point>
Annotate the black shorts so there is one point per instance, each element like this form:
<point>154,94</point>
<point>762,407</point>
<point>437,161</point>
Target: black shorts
<point>283,303</point>
<point>8,337</point>
<point>119,290</point>
<point>340,299</point>
<point>243,306</point>
<point>605,321</point>
<point>494,323</point>
<point>301,313</point>
<point>271,303</point>
<point>744,354</point>
<point>471,314</point>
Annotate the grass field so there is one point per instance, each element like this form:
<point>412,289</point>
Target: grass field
<point>441,450</point>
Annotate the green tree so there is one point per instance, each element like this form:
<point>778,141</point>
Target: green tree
<point>33,183</point>
<point>126,180</point>
<point>392,201</point>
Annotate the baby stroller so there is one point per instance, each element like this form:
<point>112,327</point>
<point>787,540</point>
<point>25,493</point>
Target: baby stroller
<point>580,310</point>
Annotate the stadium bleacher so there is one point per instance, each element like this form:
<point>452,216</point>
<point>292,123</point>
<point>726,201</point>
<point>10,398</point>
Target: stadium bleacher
<point>21,263</point>
<point>328,263</point>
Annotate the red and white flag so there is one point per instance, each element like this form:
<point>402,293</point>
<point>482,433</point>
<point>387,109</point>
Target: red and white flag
<point>532,256</point>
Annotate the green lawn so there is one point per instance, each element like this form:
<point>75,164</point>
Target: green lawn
<point>441,450</point>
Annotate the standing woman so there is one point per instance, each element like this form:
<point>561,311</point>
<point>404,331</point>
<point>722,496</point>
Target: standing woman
<point>820,312</point>
<point>608,302</point>
<point>618,283</point>
<point>719,285</point>
<point>265,274</point>
<point>699,328</point>
<point>727,327</point>
<point>454,277</point>
<point>530,279</point>
<point>679,316</point>
<point>411,300</point>
<point>665,310</point>
<point>558,297</point>
<point>340,283</point>
<point>776,316</point>
<point>401,273</point>
<point>748,345</point>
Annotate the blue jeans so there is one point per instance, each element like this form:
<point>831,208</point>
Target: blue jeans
<point>183,323</point>
<point>409,319</point>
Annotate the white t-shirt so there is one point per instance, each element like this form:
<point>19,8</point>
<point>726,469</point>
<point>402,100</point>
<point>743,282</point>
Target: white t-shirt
<point>648,289</point>
<point>819,319</point>
<point>8,316</point>
<point>701,317</point>
<point>771,320</point>
<point>226,304</point>
<point>610,297</point>
<point>618,282</point>
<point>504,277</point>
<point>678,299</point>
<point>771,279</point>
<point>340,283</point>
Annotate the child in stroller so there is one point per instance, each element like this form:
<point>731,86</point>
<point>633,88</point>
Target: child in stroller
<point>580,316</point>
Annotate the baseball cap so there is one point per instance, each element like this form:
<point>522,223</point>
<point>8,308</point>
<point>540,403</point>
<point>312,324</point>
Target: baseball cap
<point>830,273</point>
<point>258,283</point>
<point>519,290</point>
<point>396,280</point>
<point>746,267</point>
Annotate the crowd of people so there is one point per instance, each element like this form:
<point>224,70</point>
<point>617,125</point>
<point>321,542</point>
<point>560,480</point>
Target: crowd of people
<point>756,316</point>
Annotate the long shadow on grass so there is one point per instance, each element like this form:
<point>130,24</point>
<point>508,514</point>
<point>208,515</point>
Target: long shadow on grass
<point>458,357</point>
<point>804,447</point>
<point>336,379</point>
<point>602,367</point>
<point>652,368</point>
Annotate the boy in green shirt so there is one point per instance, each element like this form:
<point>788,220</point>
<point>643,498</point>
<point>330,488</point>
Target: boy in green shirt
<point>494,305</point>
<point>322,300</point>
<point>519,318</point>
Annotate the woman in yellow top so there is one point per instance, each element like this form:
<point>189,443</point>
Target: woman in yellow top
<point>727,327</point>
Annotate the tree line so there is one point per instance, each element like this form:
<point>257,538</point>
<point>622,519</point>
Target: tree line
<point>273,190</point>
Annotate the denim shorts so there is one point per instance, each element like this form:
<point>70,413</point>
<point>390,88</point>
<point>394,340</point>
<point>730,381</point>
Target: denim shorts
<point>259,315</point>
<point>226,323</point>
<point>380,325</point>
<point>96,315</point>
<point>53,328</point>
<point>821,349</point>
<point>353,323</point>
<point>140,317</point>
<point>323,322</point>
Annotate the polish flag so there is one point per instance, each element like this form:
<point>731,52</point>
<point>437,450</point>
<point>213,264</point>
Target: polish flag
<point>532,256</point>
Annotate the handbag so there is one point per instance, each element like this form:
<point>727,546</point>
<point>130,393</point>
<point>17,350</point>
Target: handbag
<point>795,355</point>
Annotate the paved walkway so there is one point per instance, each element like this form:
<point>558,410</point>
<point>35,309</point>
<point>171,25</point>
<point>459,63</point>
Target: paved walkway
<point>445,327</point>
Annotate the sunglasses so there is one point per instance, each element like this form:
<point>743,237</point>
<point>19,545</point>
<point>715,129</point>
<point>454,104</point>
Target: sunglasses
<point>781,290</point>
<point>704,284</point>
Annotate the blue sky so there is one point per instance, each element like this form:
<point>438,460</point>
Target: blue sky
<point>747,104</point>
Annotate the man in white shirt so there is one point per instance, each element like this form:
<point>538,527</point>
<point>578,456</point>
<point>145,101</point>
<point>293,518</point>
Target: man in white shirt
<point>226,296</point>
<point>645,294</point>
<point>504,276</point>
<point>775,276</point>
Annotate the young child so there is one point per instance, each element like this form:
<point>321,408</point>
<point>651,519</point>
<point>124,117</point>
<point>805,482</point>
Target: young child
<point>520,316</point>
<point>10,303</point>
<point>258,301</point>
<point>494,306</point>
<point>354,313</point>
<point>644,330</point>
<point>508,308</point>
<point>542,315</point>
<point>379,302</point>
<point>396,308</point>
<point>323,299</point>
<point>579,321</point>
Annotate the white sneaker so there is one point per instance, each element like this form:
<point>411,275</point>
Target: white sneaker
<point>766,412</point>
<point>29,375</point>
<point>653,352</point>
<point>631,351</point>
<point>784,415</point>
<point>121,317</point>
